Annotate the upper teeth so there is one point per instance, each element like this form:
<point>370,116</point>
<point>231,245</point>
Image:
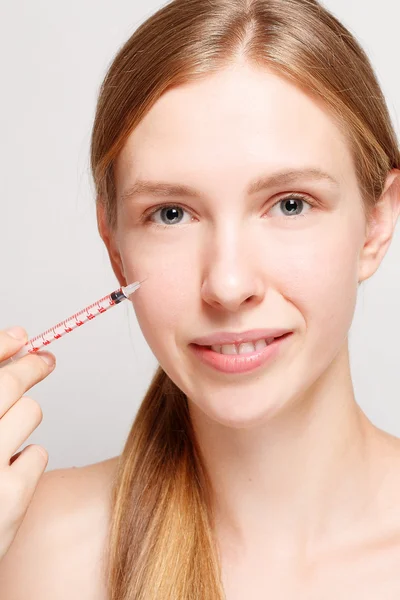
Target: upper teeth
<point>244,348</point>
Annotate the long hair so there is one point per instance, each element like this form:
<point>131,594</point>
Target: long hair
<point>161,542</point>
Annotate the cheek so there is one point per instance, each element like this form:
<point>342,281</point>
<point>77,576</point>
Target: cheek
<point>321,281</point>
<point>164,297</point>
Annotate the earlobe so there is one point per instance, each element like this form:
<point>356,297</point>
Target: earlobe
<point>381,225</point>
<point>109,242</point>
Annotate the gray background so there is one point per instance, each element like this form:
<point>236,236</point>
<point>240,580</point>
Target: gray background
<point>53,56</point>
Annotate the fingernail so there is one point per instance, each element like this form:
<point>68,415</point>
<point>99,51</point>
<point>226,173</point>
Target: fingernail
<point>16,332</point>
<point>48,359</point>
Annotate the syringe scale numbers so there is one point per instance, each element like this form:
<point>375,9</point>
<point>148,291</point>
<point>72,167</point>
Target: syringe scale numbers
<point>77,320</point>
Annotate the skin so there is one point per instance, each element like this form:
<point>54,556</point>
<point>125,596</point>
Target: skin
<point>294,462</point>
<point>306,488</point>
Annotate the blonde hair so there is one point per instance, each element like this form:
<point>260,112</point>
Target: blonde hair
<point>161,542</point>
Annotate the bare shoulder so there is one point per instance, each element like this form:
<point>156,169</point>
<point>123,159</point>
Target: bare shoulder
<point>383,515</point>
<point>58,550</point>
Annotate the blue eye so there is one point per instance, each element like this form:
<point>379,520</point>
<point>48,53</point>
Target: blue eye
<point>171,214</point>
<point>292,206</point>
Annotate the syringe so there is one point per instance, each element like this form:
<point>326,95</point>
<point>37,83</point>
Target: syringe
<point>77,320</point>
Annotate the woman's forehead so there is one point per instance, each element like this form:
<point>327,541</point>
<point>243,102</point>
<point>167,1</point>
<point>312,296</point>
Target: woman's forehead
<point>232,119</point>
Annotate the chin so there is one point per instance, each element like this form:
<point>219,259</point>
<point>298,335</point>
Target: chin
<point>237,411</point>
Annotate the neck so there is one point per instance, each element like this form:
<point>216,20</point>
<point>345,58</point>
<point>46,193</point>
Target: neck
<point>298,482</point>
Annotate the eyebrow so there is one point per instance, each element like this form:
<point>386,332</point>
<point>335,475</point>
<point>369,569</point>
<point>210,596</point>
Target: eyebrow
<point>285,177</point>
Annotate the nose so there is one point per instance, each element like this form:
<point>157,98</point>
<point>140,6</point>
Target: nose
<point>232,275</point>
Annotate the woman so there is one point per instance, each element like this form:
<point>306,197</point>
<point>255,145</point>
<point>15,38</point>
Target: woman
<point>246,165</point>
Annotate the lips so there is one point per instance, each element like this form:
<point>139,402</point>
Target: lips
<point>222,338</point>
<point>241,363</point>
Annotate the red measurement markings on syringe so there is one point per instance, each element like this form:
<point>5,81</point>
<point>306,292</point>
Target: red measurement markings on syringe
<point>76,318</point>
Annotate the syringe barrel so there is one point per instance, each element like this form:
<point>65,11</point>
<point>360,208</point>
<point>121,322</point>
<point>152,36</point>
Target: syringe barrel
<point>78,319</point>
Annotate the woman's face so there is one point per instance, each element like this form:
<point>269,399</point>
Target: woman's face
<point>229,260</point>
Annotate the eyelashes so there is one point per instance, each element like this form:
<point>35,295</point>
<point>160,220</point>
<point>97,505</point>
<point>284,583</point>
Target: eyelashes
<point>293,198</point>
<point>164,207</point>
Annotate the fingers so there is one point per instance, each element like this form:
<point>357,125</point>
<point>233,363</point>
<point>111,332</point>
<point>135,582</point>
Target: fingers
<point>18,377</point>
<point>19,417</point>
<point>14,458</point>
<point>17,486</point>
<point>30,464</point>
<point>11,340</point>
<point>17,425</point>
<point>19,414</point>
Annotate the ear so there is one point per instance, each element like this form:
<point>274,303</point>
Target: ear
<point>380,227</point>
<point>109,240</point>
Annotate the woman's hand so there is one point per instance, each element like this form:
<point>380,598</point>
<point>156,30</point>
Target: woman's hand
<point>19,416</point>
